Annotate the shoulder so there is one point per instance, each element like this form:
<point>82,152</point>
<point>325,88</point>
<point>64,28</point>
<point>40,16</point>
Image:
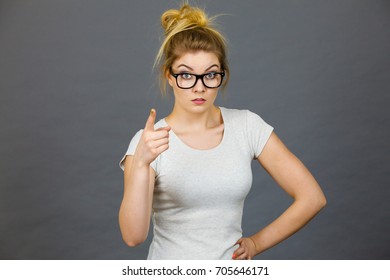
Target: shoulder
<point>160,123</point>
<point>239,116</point>
<point>251,129</point>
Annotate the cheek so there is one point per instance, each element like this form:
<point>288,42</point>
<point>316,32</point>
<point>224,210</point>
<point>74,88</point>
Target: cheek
<point>214,93</point>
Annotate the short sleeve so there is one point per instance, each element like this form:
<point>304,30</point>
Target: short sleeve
<point>258,132</point>
<point>131,149</point>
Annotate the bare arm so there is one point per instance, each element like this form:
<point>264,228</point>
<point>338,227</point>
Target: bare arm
<point>139,179</point>
<point>290,173</point>
<point>135,210</point>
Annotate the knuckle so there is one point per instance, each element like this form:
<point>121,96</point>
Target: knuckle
<point>149,144</point>
<point>154,152</point>
<point>146,137</point>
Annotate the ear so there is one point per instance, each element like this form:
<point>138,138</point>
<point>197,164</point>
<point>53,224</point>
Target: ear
<point>170,78</point>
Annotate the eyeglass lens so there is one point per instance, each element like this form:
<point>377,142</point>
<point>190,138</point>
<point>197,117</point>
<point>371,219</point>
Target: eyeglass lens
<point>211,80</point>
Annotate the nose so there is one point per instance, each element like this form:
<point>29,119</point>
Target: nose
<point>199,86</point>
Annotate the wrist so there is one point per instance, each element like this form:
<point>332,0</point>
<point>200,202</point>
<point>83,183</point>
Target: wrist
<point>254,244</point>
<point>138,163</point>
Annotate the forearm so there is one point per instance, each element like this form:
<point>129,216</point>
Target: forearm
<point>135,210</point>
<point>293,219</point>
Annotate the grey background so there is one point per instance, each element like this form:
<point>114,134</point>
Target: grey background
<point>76,83</point>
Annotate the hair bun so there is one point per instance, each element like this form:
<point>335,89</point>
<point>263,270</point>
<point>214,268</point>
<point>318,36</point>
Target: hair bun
<point>187,17</point>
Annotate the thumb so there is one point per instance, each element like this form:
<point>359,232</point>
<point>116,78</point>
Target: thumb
<point>238,241</point>
<point>149,126</point>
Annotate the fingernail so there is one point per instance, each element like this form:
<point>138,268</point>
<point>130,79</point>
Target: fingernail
<point>151,111</point>
<point>234,255</point>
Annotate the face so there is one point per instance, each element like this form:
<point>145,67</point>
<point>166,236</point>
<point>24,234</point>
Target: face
<point>199,62</point>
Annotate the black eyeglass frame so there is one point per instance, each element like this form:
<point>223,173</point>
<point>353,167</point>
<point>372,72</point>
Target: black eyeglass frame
<point>197,78</point>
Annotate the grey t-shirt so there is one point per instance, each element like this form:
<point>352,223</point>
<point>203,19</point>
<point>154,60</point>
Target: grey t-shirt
<point>199,194</point>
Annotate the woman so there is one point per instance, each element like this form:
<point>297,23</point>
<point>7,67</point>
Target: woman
<point>191,171</point>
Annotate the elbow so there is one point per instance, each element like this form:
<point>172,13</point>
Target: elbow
<point>321,202</point>
<point>133,238</point>
<point>324,202</point>
<point>313,203</point>
<point>133,241</point>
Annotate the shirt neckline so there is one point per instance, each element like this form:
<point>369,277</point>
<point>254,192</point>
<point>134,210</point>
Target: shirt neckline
<point>200,150</point>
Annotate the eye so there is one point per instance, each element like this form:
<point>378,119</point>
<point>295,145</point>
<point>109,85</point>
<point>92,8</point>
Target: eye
<point>186,76</point>
<point>210,76</point>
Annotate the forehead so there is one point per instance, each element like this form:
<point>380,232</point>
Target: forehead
<point>197,60</point>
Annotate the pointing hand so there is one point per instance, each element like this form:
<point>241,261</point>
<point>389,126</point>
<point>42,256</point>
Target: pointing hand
<point>153,142</point>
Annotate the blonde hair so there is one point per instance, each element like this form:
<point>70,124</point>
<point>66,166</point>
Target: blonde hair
<point>189,29</point>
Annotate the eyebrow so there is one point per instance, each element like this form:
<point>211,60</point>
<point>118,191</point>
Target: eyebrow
<point>183,65</point>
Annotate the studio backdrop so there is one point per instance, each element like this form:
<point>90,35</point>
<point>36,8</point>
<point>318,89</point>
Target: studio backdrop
<point>76,83</point>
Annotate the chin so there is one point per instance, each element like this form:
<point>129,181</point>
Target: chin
<point>204,109</point>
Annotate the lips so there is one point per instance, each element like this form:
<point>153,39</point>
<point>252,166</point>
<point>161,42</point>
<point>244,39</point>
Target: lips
<point>199,101</point>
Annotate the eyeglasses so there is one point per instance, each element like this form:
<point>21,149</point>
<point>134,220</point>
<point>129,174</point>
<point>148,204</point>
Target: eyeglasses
<point>187,80</point>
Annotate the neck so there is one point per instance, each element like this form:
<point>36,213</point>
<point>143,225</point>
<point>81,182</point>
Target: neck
<point>185,120</point>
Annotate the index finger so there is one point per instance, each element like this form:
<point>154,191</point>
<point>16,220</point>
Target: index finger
<point>149,126</point>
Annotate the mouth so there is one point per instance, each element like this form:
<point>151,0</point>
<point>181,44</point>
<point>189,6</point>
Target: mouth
<point>199,101</point>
